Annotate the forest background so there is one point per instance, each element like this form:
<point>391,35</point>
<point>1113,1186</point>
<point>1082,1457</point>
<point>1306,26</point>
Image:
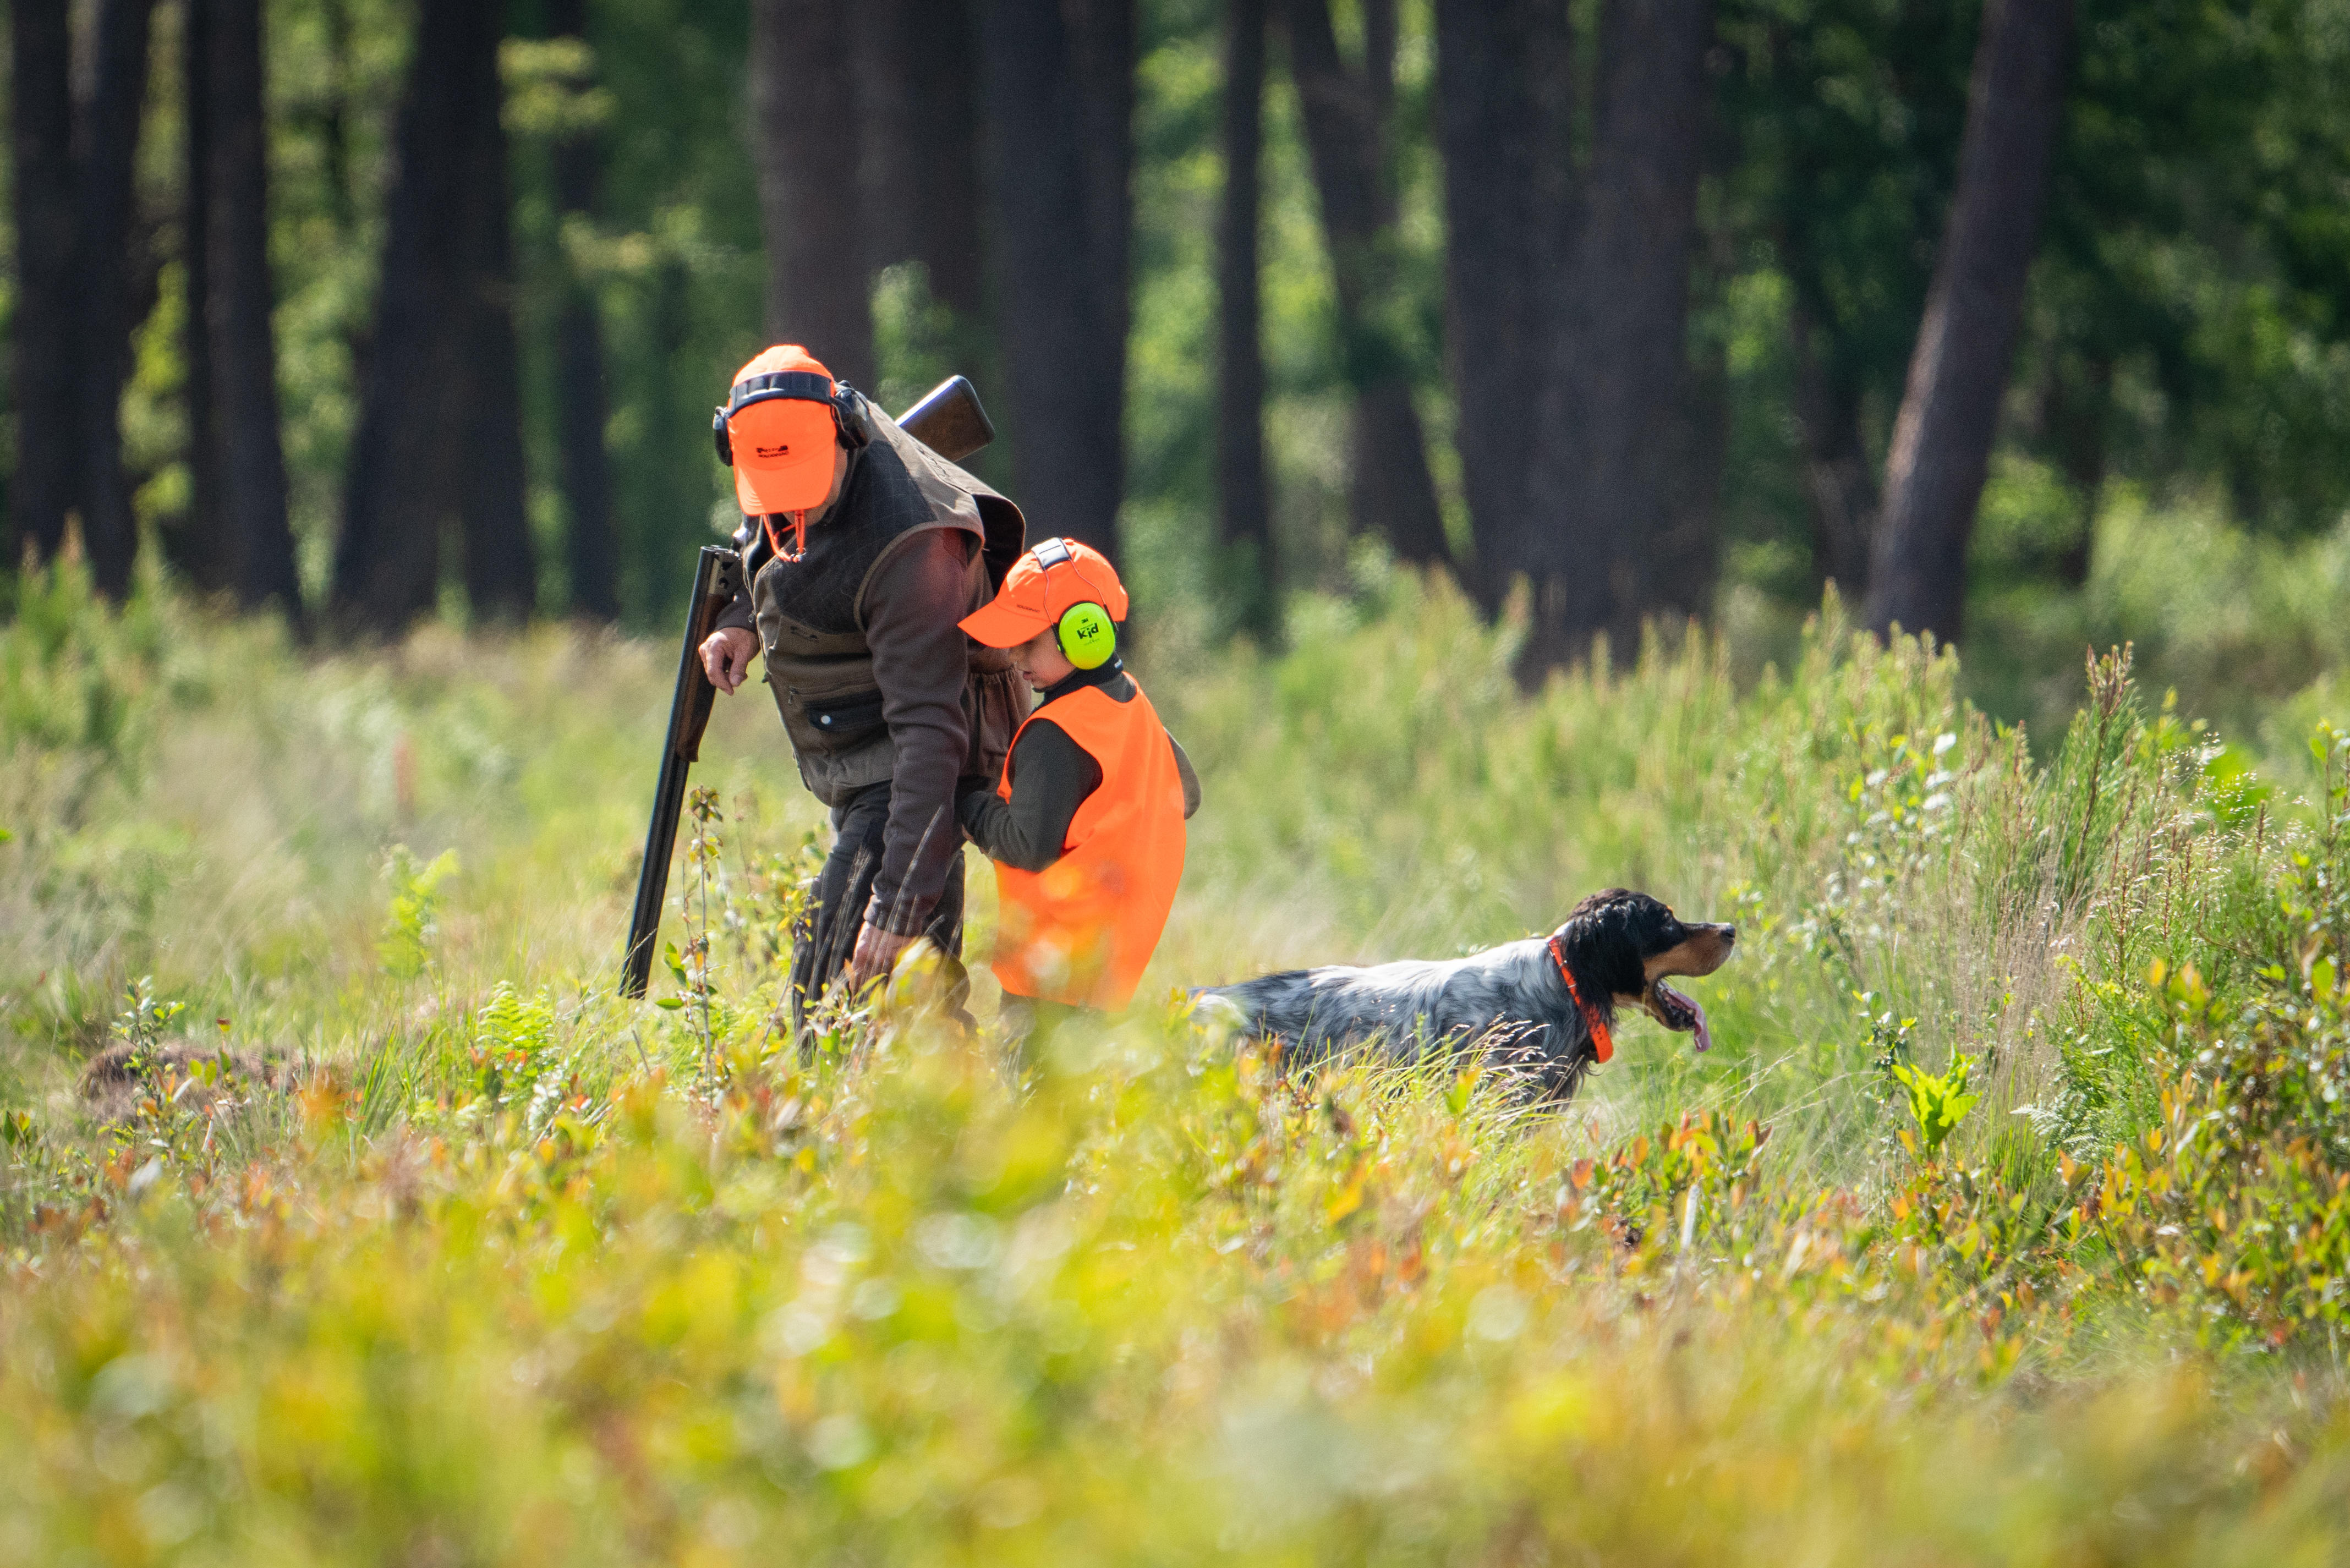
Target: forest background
<point>1622,301</point>
<point>348,1214</point>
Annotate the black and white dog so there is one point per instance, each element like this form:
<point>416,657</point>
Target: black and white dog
<point>1545,1005</point>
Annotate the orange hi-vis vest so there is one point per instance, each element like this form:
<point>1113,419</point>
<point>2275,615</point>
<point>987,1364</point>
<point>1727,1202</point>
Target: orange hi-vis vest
<point>1082,931</point>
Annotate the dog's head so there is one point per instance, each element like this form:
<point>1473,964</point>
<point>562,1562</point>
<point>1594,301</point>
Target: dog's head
<point>1621,946</point>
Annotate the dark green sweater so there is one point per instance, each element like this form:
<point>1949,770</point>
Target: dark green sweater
<point>1052,775</point>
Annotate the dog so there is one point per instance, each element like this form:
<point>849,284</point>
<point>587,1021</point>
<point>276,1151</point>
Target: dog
<point>1544,1005</point>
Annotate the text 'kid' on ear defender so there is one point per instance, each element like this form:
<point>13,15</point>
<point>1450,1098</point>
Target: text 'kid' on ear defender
<point>850,417</point>
<point>1087,635</point>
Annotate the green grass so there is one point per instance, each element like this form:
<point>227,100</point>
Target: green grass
<point>455,1257</point>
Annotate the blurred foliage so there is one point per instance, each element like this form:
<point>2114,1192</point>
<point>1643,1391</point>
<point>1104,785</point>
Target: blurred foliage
<point>485,1263</point>
<point>2186,364</point>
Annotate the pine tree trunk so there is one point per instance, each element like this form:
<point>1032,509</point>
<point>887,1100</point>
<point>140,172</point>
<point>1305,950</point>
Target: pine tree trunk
<point>1836,470</point>
<point>259,538</point>
<point>47,305</point>
<point>196,543</point>
<point>582,404</point>
<point>1250,569</point>
<point>1392,493</point>
<point>402,490</point>
<point>2078,407</point>
<point>108,151</point>
<point>803,86</point>
<point>500,562</point>
<point>1614,444</point>
<point>1057,88</point>
<point>1504,87</point>
<point>918,117</point>
<point>1966,341</point>
<point>1101,42</point>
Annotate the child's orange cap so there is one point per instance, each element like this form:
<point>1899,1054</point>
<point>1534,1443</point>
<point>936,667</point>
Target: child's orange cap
<point>1040,590</point>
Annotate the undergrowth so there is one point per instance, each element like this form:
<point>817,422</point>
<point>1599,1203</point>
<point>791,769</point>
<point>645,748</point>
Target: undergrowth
<point>346,1213</point>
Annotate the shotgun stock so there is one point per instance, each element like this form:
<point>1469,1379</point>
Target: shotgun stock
<point>950,422</point>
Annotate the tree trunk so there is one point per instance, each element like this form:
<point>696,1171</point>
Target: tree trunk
<point>1243,513</point>
<point>2075,421</point>
<point>1059,146</point>
<point>582,405</point>
<point>1958,372</point>
<point>1392,493</point>
<point>1613,440</point>
<point>501,565</point>
<point>1505,83</point>
<point>105,159</point>
<point>1836,470</point>
<point>1382,31</point>
<point>919,127</point>
<point>401,491</point>
<point>196,544</point>
<point>804,103</point>
<point>46,311</point>
<point>260,540</point>
<point>1101,41</point>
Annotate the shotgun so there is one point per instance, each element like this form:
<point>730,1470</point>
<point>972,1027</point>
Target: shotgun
<point>950,422</point>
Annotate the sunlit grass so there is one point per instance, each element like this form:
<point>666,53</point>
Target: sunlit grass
<point>416,1244</point>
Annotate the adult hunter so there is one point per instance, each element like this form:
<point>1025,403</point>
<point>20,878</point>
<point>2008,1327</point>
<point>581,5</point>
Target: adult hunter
<point>879,547</point>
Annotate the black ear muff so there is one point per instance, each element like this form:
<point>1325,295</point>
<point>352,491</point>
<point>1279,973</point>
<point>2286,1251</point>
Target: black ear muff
<point>718,434</point>
<point>853,415</point>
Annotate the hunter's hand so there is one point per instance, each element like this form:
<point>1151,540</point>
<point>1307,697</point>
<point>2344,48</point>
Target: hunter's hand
<point>877,951</point>
<point>726,657</point>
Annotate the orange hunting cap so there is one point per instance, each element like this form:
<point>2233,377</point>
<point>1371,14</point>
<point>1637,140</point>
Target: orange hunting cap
<point>779,430</point>
<point>1040,590</point>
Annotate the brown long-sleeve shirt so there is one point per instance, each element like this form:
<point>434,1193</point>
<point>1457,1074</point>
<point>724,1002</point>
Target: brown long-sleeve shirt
<point>921,663</point>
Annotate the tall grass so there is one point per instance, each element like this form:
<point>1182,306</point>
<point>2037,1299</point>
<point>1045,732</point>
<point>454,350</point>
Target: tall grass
<point>403,1240</point>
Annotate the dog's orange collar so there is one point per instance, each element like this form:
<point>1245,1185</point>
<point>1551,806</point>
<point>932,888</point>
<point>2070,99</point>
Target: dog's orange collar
<point>1602,1048</point>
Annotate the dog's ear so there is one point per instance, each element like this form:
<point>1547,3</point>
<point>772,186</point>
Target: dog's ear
<point>1602,944</point>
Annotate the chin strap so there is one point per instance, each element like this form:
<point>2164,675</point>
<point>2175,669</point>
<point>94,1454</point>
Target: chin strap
<point>799,538</point>
<point>1602,1048</point>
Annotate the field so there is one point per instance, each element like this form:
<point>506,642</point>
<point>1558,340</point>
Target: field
<point>347,1216</point>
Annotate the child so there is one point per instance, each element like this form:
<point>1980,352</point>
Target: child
<point>1087,827</point>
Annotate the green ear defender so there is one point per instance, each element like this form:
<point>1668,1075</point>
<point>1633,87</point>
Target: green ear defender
<point>1088,637</point>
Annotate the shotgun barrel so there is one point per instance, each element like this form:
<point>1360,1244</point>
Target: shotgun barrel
<point>950,422</point>
<point>716,579</point>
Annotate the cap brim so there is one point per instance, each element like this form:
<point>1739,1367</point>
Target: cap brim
<point>783,456</point>
<point>998,625</point>
<point>797,486</point>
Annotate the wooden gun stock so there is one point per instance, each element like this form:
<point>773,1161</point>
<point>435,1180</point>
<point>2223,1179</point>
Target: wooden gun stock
<point>950,422</point>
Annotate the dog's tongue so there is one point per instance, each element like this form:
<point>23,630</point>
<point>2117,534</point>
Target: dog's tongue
<point>1704,1035</point>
